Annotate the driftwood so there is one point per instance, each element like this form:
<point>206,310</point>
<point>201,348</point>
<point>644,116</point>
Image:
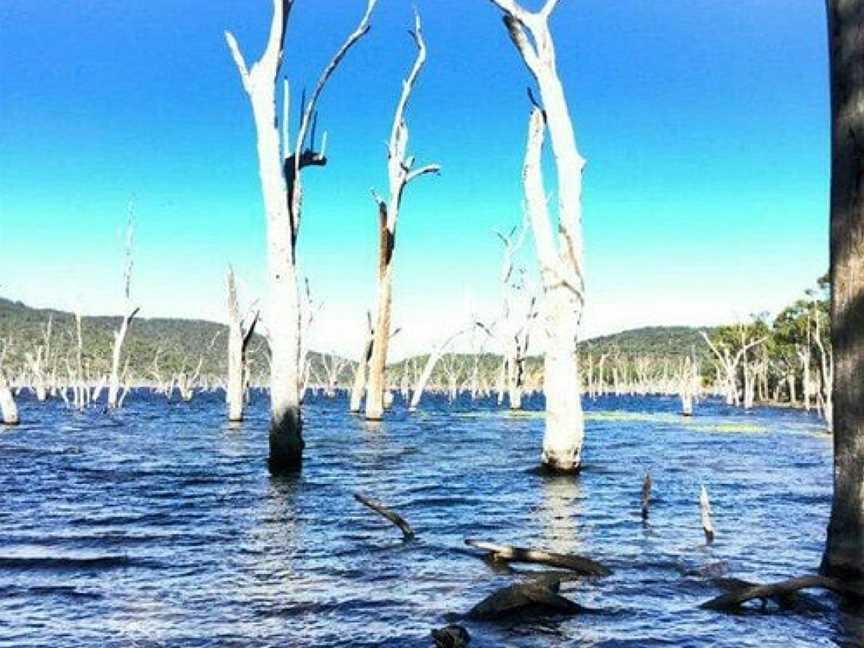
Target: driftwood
<point>646,495</point>
<point>522,597</point>
<point>394,517</point>
<point>782,592</point>
<point>705,511</point>
<point>579,564</point>
<point>451,636</point>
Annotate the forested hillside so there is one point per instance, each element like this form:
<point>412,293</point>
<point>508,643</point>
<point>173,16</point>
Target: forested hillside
<point>182,344</point>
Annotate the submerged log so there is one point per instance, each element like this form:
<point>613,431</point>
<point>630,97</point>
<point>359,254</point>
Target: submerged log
<point>542,597</point>
<point>782,592</point>
<point>579,564</point>
<point>451,636</point>
<point>394,517</point>
<point>646,495</point>
<point>705,512</point>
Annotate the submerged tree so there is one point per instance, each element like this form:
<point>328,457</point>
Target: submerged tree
<point>280,174</point>
<point>400,172</point>
<point>561,260</point>
<point>8,408</point>
<point>240,330</point>
<point>129,312</point>
<point>844,552</point>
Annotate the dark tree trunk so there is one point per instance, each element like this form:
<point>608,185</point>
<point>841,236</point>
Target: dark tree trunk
<point>844,551</point>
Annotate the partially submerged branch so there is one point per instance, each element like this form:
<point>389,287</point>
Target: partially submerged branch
<point>395,518</point>
<point>579,564</point>
<point>777,591</point>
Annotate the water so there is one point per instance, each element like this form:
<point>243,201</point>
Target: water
<point>159,525</point>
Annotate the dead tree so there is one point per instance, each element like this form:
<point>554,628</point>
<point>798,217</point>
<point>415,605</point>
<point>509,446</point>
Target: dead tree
<point>280,173</point>
<point>705,514</point>
<point>240,330</point>
<point>309,309</point>
<point>8,408</point>
<point>359,384</point>
<point>844,551</point>
<point>186,380</point>
<point>400,170</point>
<point>517,317</point>
<point>129,312</point>
<point>333,366</point>
<point>645,499</point>
<point>729,361</point>
<point>38,363</point>
<point>560,262</point>
<point>431,361</point>
<point>688,385</point>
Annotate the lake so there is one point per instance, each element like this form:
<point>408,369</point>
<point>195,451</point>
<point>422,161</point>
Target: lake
<point>160,525</point>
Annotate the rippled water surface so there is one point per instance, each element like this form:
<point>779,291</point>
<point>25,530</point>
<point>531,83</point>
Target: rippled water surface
<point>160,525</point>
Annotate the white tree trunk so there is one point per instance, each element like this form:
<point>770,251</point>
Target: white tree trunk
<point>359,385</point>
<point>433,359</point>
<point>238,339</point>
<point>279,172</point>
<point>8,409</point>
<point>561,263</point>
<point>116,356</point>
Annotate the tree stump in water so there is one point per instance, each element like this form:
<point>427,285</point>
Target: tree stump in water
<point>705,512</point>
<point>451,636</point>
<point>537,596</point>
<point>646,495</point>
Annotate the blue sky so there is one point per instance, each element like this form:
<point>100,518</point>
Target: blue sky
<point>704,123</point>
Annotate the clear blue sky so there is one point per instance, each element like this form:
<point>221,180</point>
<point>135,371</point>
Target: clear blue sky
<point>704,123</point>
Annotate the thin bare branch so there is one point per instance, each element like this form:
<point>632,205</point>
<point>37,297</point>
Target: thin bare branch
<point>356,35</point>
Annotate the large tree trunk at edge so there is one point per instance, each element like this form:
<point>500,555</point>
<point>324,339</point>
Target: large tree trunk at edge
<point>844,551</point>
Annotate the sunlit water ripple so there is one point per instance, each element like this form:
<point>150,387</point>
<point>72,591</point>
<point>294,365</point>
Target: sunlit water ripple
<point>160,524</point>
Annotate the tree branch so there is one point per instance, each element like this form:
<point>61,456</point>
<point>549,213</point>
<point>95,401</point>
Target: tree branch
<point>356,35</point>
<point>238,61</point>
<point>430,168</point>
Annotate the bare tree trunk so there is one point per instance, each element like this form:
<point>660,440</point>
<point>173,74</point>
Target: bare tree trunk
<point>8,408</point>
<point>433,359</point>
<point>359,385</point>
<point>400,174</point>
<point>239,336</point>
<point>130,312</point>
<point>844,551</point>
<point>561,264</point>
<point>281,187</point>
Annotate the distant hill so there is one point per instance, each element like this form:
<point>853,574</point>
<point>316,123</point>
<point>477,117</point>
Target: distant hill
<point>182,343</point>
<point>658,341</point>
